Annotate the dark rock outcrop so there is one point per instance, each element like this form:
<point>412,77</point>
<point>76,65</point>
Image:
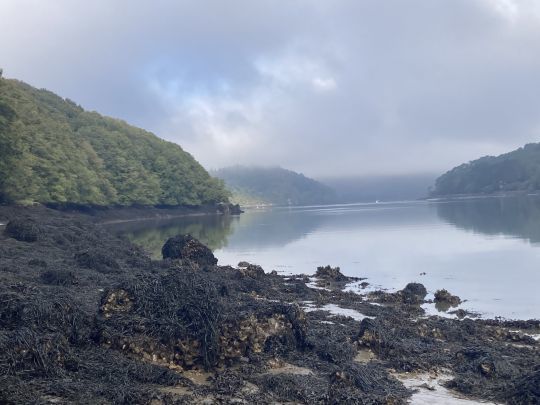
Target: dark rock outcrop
<point>414,293</point>
<point>444,297</point>
<point>330,273</point>
<point>186,247</point>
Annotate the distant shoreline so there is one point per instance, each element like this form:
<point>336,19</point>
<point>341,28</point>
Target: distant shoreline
<point>482,195</point>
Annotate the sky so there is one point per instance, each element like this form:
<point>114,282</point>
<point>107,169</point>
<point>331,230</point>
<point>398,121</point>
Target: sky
<point>327,88</point>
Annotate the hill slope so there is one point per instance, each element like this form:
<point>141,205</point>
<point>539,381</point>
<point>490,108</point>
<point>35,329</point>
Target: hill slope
<point>51,150</point>
<point>273,185</point>
<point>515,171</point>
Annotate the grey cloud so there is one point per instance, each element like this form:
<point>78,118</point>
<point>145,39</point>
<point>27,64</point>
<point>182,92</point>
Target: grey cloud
<point>326,88</point>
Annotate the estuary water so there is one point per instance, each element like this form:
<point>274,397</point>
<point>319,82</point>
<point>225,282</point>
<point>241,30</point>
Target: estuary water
<point>486,250</point>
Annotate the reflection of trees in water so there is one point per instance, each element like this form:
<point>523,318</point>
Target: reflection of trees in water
<point>212,230</point>
<point>272,228</point>
<point>514,216</point>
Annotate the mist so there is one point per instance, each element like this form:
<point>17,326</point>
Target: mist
<point>329,89</point>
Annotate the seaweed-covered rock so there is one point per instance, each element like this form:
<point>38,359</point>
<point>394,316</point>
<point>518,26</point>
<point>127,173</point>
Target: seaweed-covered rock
<point>330,273</point>
<point>414,293</point>
<point>251,270</point>
<point>444,297</point>
<point>97,259</point>
<point>372,380</point>
<point>186,247</point>
<point>23,229</point>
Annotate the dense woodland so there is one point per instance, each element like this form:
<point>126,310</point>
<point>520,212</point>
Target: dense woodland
<point>515,171</point>
<point>273,185</point>
<point>51,150</point>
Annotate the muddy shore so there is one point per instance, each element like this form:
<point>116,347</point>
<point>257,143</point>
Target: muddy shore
<point>86,317</point>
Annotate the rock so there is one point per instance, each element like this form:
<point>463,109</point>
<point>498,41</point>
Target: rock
<point>229,209</point>
<point>414,293</point>
<point>252,270</point>
<point>330,273</point>
<point>186,247</point>
<point>461,313</point>
<point>235,209</point>
<point>24,230</point>
<point>444,297</point>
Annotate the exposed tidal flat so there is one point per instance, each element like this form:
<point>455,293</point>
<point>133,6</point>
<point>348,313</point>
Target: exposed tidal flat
<point>88,316</point>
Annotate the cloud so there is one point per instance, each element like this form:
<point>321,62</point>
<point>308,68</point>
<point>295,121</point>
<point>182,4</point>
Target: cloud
<point>326,88</point>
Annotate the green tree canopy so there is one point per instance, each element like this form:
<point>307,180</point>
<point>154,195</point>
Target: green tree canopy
<point>51,150</point>
<point>515,171</point>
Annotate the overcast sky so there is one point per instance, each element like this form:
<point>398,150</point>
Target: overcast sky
<point>323,87</point>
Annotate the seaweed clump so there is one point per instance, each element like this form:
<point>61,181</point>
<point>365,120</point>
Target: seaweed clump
<point>186,247</point>
<point>23,229</point>
<point>330,273</point>
<point>444,297</point>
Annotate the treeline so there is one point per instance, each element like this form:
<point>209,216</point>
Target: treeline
<point>515,171</point>
<point>51,150</point>
<point>274,185</point>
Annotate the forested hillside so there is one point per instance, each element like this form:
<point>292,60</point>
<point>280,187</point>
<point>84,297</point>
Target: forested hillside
<point>273,185</point>
<point>515,171</point>
<point>51,150</point>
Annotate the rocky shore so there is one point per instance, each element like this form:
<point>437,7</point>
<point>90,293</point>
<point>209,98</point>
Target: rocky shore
<point>86,317</point>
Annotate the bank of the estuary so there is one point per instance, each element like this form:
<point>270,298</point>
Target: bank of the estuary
<point>118,214</point>
<point>86,317</point>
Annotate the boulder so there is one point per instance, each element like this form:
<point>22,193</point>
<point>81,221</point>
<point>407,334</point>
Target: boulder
<point>186,247</point>
<point>444,297</point>
<point>414,293</point>
<point>330,273</point>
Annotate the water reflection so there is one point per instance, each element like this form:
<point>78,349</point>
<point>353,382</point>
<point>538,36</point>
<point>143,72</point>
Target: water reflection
<point>273,228</point>
<point>511,216</point>
<point>477,249</point>
<point>212,230</point>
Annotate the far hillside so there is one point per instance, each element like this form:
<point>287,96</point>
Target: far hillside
<point>517,171</point>
<point>273,185</point>
<point>53,151</point>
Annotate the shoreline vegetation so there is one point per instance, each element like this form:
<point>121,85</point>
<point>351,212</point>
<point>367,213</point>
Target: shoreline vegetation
<point>516,171</point>
<point>87,317</point>
<point>52,151</point>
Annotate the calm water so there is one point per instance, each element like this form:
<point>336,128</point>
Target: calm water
<point>484,250</point>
